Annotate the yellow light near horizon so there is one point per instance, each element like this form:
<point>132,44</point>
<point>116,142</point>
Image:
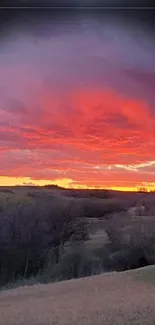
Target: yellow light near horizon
<point>15,181</point>
<point>67,183</point>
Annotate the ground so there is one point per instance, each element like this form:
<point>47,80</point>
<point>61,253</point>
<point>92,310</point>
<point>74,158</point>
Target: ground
<point>126,298</point>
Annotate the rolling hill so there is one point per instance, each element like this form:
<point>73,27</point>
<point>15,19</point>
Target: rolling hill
<point>111,299</point>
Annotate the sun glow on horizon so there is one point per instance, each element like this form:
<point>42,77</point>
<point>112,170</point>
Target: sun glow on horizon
<point>70,184</point>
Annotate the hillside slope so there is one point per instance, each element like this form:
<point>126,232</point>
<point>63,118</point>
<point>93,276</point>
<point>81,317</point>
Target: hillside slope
<point>112,299</point>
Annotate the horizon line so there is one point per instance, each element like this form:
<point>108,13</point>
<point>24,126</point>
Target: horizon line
<point>135,190</point>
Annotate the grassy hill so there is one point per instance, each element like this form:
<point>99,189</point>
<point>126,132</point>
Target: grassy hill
<point>111,299</point>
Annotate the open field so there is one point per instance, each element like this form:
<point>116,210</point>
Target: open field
<point>111,299</point>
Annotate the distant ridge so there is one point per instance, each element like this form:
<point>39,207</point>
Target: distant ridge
<point>54,187</point>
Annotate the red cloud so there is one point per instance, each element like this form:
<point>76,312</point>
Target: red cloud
<point>67,137</point>
<point>77,102</point>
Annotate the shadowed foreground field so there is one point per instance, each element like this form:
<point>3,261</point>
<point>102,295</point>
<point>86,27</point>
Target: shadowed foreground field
<point>112,299</point>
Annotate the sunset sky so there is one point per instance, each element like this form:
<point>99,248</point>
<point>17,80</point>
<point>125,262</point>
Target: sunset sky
<point>77,104</point>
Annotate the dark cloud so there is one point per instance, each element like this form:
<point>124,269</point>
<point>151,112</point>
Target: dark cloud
<point>78,3</point>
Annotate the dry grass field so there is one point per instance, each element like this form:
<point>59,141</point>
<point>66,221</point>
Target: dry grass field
<point>112,299</point>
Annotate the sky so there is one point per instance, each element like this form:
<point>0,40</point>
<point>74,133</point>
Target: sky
<point>77,103</point>
<point>68,3</point>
